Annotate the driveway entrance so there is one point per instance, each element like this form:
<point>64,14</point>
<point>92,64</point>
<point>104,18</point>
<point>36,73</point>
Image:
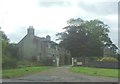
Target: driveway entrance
<point>61,74</point>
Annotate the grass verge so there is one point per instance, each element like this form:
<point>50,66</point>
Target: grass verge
<point>11,73</point>
<point>96,71</point>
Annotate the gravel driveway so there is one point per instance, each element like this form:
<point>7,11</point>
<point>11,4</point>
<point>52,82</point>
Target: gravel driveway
<point>60,74</point>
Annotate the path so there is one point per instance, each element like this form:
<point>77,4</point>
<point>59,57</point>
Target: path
<point>60,74</point>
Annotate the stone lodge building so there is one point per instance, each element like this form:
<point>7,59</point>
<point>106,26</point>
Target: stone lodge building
<point>42,50</point>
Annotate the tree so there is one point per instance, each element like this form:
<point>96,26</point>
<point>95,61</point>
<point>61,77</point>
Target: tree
<point>85,38</point>
<point>5,42</point>
<point>9,52</point>
<point>12,49</point>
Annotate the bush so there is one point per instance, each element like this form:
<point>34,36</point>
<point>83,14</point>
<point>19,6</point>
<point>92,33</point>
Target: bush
<point>47,62</point>
<point>108,59</point>
<point>23,63</point>
<point>118,57</point>
<point>9,62</point>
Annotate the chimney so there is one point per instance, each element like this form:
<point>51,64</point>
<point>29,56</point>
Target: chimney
<point>30,30</point>
<point>48,38</point>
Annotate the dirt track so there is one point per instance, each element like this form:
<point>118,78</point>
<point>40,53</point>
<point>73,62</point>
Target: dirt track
<point>60,74</point>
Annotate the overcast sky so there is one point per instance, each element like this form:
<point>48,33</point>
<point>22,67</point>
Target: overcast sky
<point>48,17</point>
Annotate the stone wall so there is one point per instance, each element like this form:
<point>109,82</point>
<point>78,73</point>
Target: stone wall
<point>102,64</point>
<point>98,64</point>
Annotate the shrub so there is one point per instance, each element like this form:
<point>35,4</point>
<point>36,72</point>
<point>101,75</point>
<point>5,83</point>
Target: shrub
<point>9,62</point>
<point>118,57</point>
<point>109,59</point>
<point>23,63</point>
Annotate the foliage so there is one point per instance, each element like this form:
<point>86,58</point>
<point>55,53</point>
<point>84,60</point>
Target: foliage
<point>12,50</point>
<point>5,42</point>
<point>85,38</point>
<point>9,53</point>
<point>9,62</point>
<point>10,73</point>
<point>96,71</point>
<point>47,62</point>
<point>23,63</point>
<point>118,57</point>
<point>108,59</point>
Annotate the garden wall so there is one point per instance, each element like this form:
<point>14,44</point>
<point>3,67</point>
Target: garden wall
<point>102,64</point>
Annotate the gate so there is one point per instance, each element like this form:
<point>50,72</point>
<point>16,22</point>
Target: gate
<point>78,61</point>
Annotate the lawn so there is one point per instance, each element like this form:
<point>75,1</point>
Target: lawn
<point>11,73</point>
<point>96,71</point>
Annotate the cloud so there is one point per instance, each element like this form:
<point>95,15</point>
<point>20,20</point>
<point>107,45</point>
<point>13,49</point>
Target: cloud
<point>17,34</point>
<point>52,3</point>
<point>50,16</point>
<point>100,8</point>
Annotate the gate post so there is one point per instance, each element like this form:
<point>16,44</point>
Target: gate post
<point>72,61</point>
<point>57,59</point>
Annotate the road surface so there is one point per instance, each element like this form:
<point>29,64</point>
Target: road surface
<point>60,74</point>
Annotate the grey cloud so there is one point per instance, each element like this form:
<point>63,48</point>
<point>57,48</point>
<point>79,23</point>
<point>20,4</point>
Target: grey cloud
<point>114,37</point>
<point>119,26</point>
<point>101,8</point>
<point>110,23</point>
<point>45,32</point>
<point>18,34</point>
<point>50,3</point>
<point>42,31</point>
